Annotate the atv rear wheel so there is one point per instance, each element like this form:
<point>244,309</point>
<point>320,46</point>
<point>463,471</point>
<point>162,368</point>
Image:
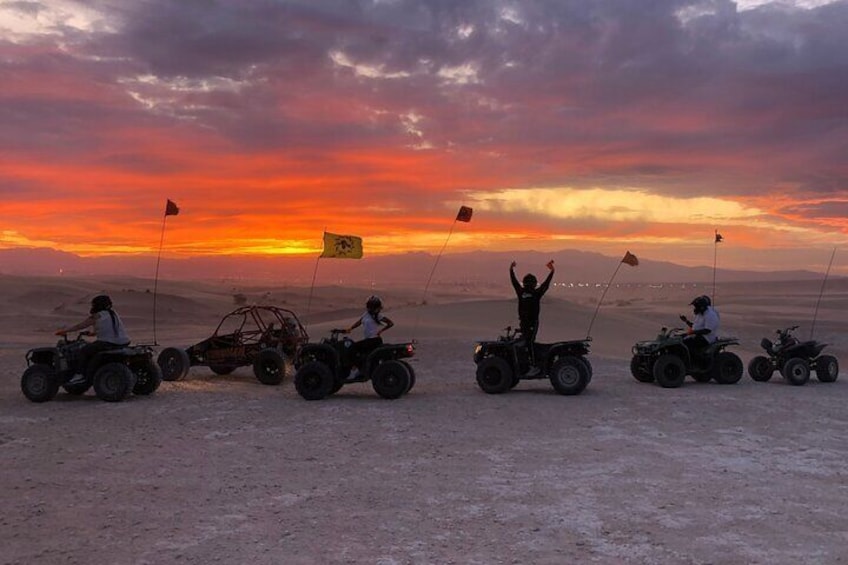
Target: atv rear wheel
<point>569,375</point>
<point>269,367</point>
<point>760,369</point>
<point>314,381</point>
<point>113,382</point>
<point>796,371</point>
<point>827,369</point>
<point>728,368</point>
<point>639,372</point>
<point>390,379</point>
<point>39,383</point>
<point>669,371</point>
<point>148,377</point>
<point>411,375</point>
<point>494,375</point>
<point>174,363</point>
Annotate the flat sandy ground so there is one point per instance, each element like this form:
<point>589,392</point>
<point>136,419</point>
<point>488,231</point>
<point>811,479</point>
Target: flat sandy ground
<point>226,470</point>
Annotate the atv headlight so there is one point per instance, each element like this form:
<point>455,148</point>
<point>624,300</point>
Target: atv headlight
<point>478,348</point>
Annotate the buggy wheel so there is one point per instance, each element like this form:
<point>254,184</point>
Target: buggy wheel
<point>827,368</point>
<point>222,369</point>
<point>760,369</point>
<point>174,363</point>
<point>639,372</point>
<point>411,375</point>
<point>148,377</point>
<point>390,379</point>
<point>495,376</point>
<point>77,389</point>
<point>669,371</point>
<point>39,383</point>
<point>728,368</point>
<point>569,375</point>
<point>796,371</point>
<point>113,382</point>
<point>314,381</point>
<point>269,367</point>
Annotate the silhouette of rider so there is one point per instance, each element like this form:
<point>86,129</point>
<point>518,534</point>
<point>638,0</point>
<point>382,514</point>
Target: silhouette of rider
<point>529,299</point>
<point>703,331</point>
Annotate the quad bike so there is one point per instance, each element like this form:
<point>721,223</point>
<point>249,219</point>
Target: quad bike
<point>263,337</point>
<point>795,359</point>
<point>667,360</point>
<point>114,373</point>
<point>503,363</point>
<point>324,368</point>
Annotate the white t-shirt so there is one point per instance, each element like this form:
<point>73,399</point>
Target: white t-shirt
<point>709,320</point>
<point>105,331</point>
<point>371,326</point>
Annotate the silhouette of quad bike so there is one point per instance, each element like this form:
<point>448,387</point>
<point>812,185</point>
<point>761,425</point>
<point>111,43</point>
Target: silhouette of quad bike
<point>264,337</point>
<point>114,373</point>
<point>324,368</point>
<point>795,359</point>
<point>667,360</point>
<point>502,364</point>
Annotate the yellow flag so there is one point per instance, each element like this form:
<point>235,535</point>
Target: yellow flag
<point>342,246</point>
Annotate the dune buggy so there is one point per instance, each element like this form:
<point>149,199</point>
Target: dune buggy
<point>114,373</point>
<point>323,368</point>
<point>264,337</point>
<point>668,359</point>
<point>795,359</point>
<point>503,363</point>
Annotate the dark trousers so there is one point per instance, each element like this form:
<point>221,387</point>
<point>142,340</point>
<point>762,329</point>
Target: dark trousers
<point>360,350</point>
<point>89,351</point>
<point>529,329</point>
<point>696,344</point>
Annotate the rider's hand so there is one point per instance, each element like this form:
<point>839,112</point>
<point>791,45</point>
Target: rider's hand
<point>512,265</point>
<point>550,264</point>
<point>61,332</point>
<point>689,331</point>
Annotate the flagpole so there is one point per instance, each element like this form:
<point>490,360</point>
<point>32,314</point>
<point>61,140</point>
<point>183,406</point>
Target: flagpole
<point>435,264</point>
<point>156,276</point>
<point>314,274</point>
<point>715,257</point>
<point>598,307</point>
<point>821,292</point>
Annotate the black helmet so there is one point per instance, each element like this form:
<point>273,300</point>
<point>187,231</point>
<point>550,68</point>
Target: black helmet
<point>529,281</point>
<point>700,303</point>
<point>373,303</point>
<point>99,303</point>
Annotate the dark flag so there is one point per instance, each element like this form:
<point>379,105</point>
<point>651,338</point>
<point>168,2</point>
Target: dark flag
<point>719,237</point>
<point>171,208</point>
<point>464,214</point>
<point>630,259</point>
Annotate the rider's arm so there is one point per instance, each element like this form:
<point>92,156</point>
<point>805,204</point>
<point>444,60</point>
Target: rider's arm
<point>544,288</point>
<point>87,323</point>
<point>386,325</point>
<point>514,280</point>
<point>355,325</point>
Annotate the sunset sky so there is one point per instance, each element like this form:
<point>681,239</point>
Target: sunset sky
<point>599,125</point>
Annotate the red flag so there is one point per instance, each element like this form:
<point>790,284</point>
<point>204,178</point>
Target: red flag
<point>171,208</point>
<point>719,237</point>
<point>630,259</point>
<point>464,214</point>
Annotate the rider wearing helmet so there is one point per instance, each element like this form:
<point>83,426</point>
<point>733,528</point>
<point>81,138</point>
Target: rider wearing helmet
<point>529,299</point>
<point>373,324</point>
<point>108,328</point>
<point>704,329</point>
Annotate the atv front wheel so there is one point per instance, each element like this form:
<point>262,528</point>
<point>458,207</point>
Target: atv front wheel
<point>390,379</point>
<point>174,363</point>
<point>827,369</point>
<point>669,371</point>
<point>314,381</point>
<point>39,383</point>
<point>639,372</point>
<point>760,369</point>
<point>569,375</point>
<point>269,367</point>
<point>113,382</point>
<point>796,371</point>
<point>728,368</point>
<point>494,375</point>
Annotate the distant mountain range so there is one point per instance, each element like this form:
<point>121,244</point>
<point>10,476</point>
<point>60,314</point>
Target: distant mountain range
<point>412,269</point>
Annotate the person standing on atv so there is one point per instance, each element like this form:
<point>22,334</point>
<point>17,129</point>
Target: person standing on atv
<point>373,324</point>
<point>529,305</point>
<point>703,331</point>
<point>109,333</point>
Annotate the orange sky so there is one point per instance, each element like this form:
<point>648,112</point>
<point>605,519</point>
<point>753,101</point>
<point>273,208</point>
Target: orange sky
<point>269,124</point>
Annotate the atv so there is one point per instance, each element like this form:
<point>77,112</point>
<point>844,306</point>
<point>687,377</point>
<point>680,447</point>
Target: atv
<point>667,360</point>
<point>324,368</point>
<point>263,337</point>
<point>114,373</point>
<point>794,359</point>
<point>503,363</point>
